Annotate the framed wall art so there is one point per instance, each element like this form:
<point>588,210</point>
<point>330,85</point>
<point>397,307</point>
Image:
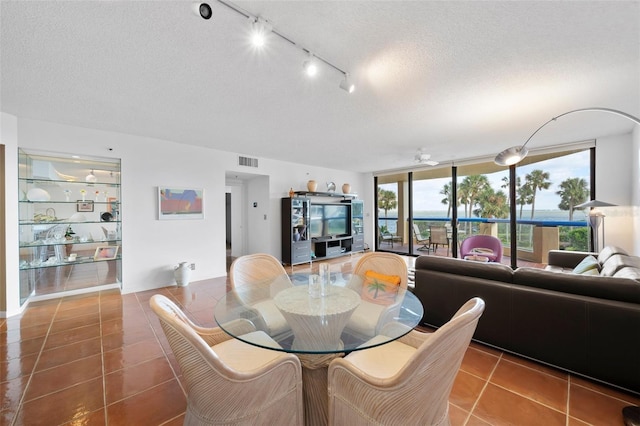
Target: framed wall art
<point>180,203</point>
<point>84,206</point>
<point>106,253</point>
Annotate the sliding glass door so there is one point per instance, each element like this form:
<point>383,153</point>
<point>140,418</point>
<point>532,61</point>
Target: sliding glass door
<point>431,211</point>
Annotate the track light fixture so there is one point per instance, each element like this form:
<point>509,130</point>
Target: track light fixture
<point>202,10</point>
<point>347,84</point>
<point>260,29</point>
<point>310,65</point>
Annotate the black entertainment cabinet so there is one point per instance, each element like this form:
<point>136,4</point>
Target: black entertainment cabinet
<point>320,225</point>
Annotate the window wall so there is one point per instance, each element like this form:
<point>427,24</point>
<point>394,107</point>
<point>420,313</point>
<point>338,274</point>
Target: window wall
<point>475,198</point>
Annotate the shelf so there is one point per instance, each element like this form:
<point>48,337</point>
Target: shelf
<point>70,202</point>
<point>57,201</point>
<point>78,261</point>
<point>325,194</point>
<point>36,244</point>
<point>72,182</point>
<point>65,222</point>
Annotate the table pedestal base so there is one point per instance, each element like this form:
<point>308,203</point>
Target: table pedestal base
<point>315,387</point>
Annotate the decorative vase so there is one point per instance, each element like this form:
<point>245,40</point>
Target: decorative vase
<point>312,185</point>
<point>182,274</point>
<point>291,193</point>
<point>346,188</point>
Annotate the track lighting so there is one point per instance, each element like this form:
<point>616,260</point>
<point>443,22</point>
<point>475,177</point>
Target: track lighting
<point>202,10</point>
<point>310,66</point>
<point>347,84</point>
<point>260,29</point>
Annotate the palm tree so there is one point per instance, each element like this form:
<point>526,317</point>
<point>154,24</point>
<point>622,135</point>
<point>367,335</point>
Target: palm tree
<point>470,189</point>
<point>537,180</point>
<point>446,191</point>
<point>505,185</point>
<point>387,200</point>
<point>523,195</point>
<point>573,191</point>
<point>493,204</point>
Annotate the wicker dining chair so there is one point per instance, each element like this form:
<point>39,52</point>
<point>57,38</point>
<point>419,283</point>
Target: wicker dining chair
<point>405,382</point>
<point>261,269</point>
<point>228,381</point>
<point>368,317</point>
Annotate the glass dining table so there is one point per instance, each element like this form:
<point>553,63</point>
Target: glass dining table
<point>318,324</point>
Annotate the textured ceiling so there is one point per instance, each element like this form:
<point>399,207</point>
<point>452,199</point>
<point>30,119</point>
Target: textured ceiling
<point>462,79</point>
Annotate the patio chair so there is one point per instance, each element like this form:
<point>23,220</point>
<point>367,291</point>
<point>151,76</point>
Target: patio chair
<point>405,382</point>
<point>388,237</point>
<point>228,381</point>
<point>420,239</point>
<point>438,237</point>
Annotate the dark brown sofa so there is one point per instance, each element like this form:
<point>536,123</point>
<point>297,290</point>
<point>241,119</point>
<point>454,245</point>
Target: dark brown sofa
<point>585,324</point>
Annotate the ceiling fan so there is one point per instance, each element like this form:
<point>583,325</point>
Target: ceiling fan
<point>423,158</point>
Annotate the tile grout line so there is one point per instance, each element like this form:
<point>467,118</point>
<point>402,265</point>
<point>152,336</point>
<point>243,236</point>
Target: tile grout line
<point>26,388</point>
<point>482,391</point>
<point>568,399</point>
<point>104,370</point>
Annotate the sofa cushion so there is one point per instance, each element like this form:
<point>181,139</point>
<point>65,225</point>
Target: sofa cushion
<point>616,262</point>
<point>490,271</point>
<point>611,288</point>
<point>629,273</point>
<point>609,251</point>
<point>588,263</point>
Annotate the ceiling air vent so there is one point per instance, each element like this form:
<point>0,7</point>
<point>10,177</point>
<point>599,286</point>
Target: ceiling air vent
<point>247,161</point>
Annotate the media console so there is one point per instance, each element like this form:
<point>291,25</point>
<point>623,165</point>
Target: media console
<point>316,229</point>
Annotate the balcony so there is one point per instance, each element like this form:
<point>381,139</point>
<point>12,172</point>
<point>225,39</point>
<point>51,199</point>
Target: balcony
<point>535,237</point>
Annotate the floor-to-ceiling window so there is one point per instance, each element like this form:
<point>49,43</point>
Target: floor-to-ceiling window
<point>476,198</point>
<point>432,210</point>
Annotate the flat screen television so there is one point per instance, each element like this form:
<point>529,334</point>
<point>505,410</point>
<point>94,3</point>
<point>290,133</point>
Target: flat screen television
<point>329,220</point>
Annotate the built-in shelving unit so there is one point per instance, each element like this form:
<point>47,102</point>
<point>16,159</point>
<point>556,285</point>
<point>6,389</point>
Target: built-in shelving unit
<point>69,224</point>
<point>315,228</point>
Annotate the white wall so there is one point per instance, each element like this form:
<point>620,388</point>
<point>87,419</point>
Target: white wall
<point>615,184</point>
<point>9,138</point>
<point>635,188</point>
<point>151,248</point>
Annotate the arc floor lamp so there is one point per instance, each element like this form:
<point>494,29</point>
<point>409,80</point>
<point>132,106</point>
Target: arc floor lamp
<point>514,155</point>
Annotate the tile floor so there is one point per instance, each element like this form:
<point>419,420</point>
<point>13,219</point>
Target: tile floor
<point>102,359</point>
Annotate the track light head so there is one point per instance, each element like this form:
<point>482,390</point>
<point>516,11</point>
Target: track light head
<point>202,10</point>
<point>310,66</point>
<point>347,84</point>
<point>260,29</point>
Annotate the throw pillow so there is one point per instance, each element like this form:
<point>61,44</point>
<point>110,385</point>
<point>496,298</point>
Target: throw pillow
<point>482,250</point>
<point>593,271</point>
<point>379,288</point>
<point>586,264</point>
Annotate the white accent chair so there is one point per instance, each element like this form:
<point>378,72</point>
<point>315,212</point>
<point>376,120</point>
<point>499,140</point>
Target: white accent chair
<point>228,381</point>
<point>368,317</point>
<point>261,270</point>
<point>405,382</point>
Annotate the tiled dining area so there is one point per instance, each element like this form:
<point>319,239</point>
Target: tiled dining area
<point>102,359</point>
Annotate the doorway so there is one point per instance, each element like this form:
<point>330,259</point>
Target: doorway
<point>247,214</point>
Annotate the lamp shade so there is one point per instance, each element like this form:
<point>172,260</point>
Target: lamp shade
<point>595,203</point>
<point>512,155</point>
